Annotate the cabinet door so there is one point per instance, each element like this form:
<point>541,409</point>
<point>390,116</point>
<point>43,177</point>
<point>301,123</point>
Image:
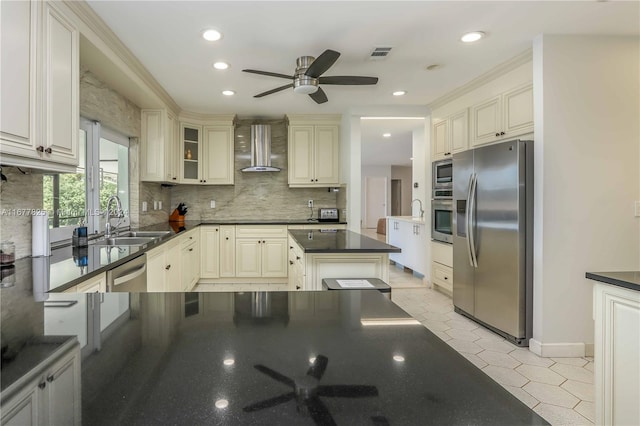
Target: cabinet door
<point>187,267</point>
<point>17,50</point>
<point>274,257</point>
<point>191,144</point>
<point>486,121</point>
<point>248,258</point>
<point>227,251</point>
<point>518,111</point>
<point>172,260</point>
<point>210,258</point>
<point>61,87</point>
<point>94,285</point>
<point>326,155</point>
<point>24,408</point>
<point>440,140</point>
<point>152,143</point>
<point>195,264</point>
<point>171,157</point>
<point>218,166</point>
<point>394,239</point>
<point>156,272</point>
<point>301,155</point>
<point>63,392</point>
<point>459,135</point>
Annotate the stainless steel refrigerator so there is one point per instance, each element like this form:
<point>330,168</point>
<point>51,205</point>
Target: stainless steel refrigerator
<point>493,237</point>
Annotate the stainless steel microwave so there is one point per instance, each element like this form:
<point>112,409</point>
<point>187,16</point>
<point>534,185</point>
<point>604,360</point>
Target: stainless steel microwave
<point>442,220</point>
<point>442,174</point>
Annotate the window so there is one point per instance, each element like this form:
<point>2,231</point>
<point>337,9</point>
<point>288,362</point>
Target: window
<point>81,197</point>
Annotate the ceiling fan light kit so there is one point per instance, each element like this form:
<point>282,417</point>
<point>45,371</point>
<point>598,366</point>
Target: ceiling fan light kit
<point>307,77</point>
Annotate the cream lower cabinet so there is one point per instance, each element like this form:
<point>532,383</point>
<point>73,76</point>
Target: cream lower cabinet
<point>52,396</point>
<point>227,256</point>
<point>97,284</point>
<point>190,259</point>
<point>163,267</point>
<point>261,251</point>
<point>411,237</point>
<point>617,355</point>
<point>442,265</point>
<point>209,251</point>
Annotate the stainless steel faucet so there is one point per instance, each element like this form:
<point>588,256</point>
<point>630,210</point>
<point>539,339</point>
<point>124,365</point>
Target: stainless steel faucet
<point>421,211</point>
<point>118,214</point>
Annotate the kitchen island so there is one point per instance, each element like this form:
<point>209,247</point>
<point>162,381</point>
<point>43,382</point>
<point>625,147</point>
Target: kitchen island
<point>257,358</point>
<point>315,255</point>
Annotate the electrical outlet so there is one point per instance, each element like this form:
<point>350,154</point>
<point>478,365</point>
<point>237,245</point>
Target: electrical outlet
<point>310,204</point>
<point>155,205</point>
<point>144,206</point>
<point>213,204</point>
<point>160,205</point>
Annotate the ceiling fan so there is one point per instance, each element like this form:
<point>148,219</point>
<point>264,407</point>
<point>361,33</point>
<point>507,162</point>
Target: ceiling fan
<point>308,73</point>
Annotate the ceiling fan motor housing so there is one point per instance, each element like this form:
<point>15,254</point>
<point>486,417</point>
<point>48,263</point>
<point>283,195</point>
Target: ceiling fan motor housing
<point>302,83</point>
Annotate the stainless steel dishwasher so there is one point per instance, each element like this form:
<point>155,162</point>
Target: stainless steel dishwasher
<point>130,277</point>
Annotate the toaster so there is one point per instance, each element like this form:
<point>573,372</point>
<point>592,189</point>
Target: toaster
<point>328,215</point>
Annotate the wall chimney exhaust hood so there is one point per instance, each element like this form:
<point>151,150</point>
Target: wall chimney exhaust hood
<point>260,149</point>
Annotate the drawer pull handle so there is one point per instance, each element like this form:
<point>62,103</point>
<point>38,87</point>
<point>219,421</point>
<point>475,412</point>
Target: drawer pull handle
<point>446,278</point>
<point>42,385</point>
<point>191,249</point>
<point>291,262</point>
<point>48,150</point>
<point>297,257</point>
<point>167,267</point>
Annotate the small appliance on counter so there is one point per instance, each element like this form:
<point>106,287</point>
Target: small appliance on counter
<point>179,213</point>
<point>80,237</point>
<point>328,215</point>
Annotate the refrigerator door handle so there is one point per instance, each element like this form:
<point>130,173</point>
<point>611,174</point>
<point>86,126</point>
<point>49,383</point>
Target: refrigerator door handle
<point>471,219</point>
<point>467,215</point>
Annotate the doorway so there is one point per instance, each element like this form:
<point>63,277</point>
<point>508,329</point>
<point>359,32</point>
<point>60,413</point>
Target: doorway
<point>375,200</point>
<point>396,197</point>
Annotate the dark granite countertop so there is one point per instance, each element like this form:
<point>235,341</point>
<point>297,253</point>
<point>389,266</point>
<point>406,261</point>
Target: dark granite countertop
<point>236,358</point>
<point>339,241</point>
<point>69,266</point>
<point>626,279</point>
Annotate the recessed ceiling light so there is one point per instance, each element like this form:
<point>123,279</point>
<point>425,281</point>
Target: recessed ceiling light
<point>472,36</point>
<point>399,93</point>
<point>222,403</point>
<point>211,35</point>
<point>228,92</point>
<point>386,135</point>
<point>229,361</point>
<point>398,358</point>
<point>221,65</point>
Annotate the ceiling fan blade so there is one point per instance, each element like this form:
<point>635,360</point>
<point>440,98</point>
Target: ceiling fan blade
<point>272,402</point>
<point>275,375</point>
<point>272,74</point>
<point>348,80</point>
<point>319,365</point>
<point>319,96</point>
<point>320,413</point>
<point>277,89</point>
<point>348,391</point>
<point>322,63</point>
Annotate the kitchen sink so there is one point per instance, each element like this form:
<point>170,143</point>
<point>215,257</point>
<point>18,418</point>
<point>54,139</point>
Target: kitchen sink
<point>125,241</point>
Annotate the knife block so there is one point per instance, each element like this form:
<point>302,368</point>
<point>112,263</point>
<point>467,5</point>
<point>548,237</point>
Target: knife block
<point>176,217</point>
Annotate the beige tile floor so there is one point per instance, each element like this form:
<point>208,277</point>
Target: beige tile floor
<point>561,390</point>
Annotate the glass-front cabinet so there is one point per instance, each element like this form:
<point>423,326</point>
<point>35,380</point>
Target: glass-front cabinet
<point>191,139</point>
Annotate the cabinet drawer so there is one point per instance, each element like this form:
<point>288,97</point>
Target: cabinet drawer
<point>442,253</point>
<point>442,275</point>
<point>261,231</point>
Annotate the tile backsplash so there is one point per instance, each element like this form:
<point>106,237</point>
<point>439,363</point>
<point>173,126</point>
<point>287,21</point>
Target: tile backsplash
<point>255,195</point>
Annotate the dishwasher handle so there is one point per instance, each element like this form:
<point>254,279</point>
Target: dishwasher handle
<point>136,273</point>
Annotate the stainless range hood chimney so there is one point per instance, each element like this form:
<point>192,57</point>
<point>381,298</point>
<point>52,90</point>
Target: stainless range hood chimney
<point>260,149</point>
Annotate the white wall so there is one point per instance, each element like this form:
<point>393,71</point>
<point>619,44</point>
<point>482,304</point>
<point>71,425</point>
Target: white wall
<point>419,170</point>
<point>587,177</point>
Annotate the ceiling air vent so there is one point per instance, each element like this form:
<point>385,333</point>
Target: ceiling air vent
<point>379,53</point>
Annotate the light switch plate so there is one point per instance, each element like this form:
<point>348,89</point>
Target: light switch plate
<point>155,205</point>
<point>213,204</point>
<point>637,209</point>
<point>160,205</point>
<point>144,206</point>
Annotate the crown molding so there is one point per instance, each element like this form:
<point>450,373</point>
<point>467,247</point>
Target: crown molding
<point>498,71</point>
<point>85,13</point>
<point>204,119</point>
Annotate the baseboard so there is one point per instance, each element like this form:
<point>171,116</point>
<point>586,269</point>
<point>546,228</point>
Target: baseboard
<point>559,350</point>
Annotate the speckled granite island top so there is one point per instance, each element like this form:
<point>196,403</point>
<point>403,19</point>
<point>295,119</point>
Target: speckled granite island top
<point>267,359</point>
<point>339,241</point>
<point>626,279</point>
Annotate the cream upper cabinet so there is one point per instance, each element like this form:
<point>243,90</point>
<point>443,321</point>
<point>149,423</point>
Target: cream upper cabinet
<point>314,152</point>
<point>210,252</point>
<point>207,152</point>
<point>217,168</point>
<point>450,135</point>
<point>503,117</point>
<point>40,86</point>
<point>158,149</point>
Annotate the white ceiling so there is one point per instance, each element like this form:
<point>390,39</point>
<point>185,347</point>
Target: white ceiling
<point>166,37</point>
